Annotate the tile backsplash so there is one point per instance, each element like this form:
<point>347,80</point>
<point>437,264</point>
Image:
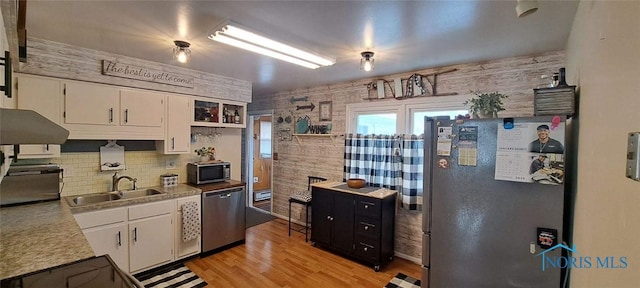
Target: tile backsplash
<point>82,173</point>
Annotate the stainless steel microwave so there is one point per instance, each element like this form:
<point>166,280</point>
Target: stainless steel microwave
<point>203,173</point>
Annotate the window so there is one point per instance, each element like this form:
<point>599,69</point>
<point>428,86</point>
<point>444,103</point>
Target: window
<point>265,139</point>
<point>417,118</point>
<point>381,123</point>
<point>401,117</point>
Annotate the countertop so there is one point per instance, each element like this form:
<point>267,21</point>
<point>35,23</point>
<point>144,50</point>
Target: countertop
<point>365,191</point>
<point>219,185</point>
<point>39,236</point>
<point>181,190</point>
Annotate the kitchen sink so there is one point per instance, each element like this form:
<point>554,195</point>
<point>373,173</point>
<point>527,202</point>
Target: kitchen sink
<point>94,198</point>
<point>111,196</point>
<point>138,193</point>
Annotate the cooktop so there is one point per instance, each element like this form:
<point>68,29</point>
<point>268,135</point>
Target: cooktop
<point>96,272</point>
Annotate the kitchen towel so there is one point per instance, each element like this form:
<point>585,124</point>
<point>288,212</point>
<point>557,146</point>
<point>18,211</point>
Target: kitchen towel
<point>190,221</point>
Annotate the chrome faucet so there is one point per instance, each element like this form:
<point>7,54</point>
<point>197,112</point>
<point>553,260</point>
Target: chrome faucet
<point>115,180</point>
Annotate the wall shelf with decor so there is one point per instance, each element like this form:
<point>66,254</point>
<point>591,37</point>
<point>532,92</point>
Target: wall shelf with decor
<point>218,113</point>
<point>331,136</point>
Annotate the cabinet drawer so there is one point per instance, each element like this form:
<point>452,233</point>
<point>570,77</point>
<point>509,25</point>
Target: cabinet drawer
<point>101,217</point>
<point>150,209</point>
<point>367,252</point>
<point>367,227</point>
<point>369,207</point>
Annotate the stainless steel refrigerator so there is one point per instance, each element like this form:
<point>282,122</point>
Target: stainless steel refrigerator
<point>481,227</point>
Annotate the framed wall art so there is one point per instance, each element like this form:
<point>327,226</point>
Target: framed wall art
<point>325,110</point>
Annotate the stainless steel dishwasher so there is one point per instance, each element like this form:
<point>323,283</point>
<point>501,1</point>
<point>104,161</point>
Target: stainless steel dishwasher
<point>223,217</point>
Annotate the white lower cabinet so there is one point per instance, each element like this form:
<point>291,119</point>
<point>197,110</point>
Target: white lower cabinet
<point>151,242</point>
<point>107,233</point>
<point>110,239</point>
<point>191,247</point>
<point>139,237</point>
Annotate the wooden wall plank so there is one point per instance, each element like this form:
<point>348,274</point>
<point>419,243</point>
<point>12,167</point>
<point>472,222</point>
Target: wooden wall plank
<point>48,58</point>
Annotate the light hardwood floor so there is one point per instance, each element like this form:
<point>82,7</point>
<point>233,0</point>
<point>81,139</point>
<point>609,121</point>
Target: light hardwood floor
<point>270,258</point>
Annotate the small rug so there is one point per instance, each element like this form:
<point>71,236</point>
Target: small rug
<point>257,216</point>
<point>403,281</point>
<point>173,276</point>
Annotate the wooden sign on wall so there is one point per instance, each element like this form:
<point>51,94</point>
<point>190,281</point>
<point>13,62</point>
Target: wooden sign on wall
<point>125,70</point>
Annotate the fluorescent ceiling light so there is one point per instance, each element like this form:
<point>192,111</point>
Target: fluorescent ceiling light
<point>231,34</point>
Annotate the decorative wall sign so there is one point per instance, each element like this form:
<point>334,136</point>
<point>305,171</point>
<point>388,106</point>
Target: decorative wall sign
<point>301,99</point>
<point>325,111</point>
<point>310,107</point>
<point>125,70</point>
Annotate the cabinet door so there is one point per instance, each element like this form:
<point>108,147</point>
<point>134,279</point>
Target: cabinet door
<point>151,242</point>
<point>322,205</point>
<point>185,248</point>
<point>43,96</point>
<point>343,221</point>
<point>90,104</point>
<point>178,125</point>
<point>112,240</point>
<point>39,151</point>
<point>139,108</point>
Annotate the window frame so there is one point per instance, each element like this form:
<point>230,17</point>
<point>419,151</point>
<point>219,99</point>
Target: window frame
<point>404,109</point>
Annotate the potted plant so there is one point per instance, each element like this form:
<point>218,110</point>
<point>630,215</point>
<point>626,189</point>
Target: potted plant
<point>206,153</point>
<point>485,105</point>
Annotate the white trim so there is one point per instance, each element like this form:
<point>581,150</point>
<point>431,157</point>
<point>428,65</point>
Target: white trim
<point>404,109</point>
<point>248,161</point>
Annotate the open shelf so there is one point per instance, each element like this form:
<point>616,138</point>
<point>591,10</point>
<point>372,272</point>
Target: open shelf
<point>331,136</point>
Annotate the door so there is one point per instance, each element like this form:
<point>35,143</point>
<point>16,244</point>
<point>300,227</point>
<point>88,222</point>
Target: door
<point>151,241</point>
<point>343,221</point>
<point>139,108</point>
<point>111,240</point>
<point>262,157</point>
<point>322,203</point>
<point>258,159</point>
<point>178,124</point>
<point>91,104</point>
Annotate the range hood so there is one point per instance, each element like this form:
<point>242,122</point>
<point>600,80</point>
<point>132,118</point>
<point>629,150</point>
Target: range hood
<point>19,126</point>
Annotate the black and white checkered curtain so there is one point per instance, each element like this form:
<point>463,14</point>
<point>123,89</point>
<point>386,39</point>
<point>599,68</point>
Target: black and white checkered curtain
<point>412,168</point>
<point>375,158</point>
<point>389,161</point>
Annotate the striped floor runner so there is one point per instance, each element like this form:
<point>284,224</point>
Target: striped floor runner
<point>175,276</point>
<point>403,281</point>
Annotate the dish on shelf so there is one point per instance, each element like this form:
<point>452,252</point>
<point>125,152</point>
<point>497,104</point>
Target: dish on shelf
<point>302,125</point>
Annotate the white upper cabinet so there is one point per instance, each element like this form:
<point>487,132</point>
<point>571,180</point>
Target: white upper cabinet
<point>43,96</point>
<point>141,108</point>
<point>94,111</point>
<point>91,104</point>
<point>178,137</point>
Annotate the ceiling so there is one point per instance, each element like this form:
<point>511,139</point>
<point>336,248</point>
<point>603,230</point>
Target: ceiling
<point>405,35</point>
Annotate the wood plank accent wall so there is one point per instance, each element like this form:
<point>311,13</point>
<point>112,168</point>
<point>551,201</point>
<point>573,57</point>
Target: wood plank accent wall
<point>48,58</point>
<point>516,77</point>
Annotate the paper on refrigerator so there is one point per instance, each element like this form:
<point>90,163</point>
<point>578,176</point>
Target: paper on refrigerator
<point>515,161</point>
<point>444,141</point>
